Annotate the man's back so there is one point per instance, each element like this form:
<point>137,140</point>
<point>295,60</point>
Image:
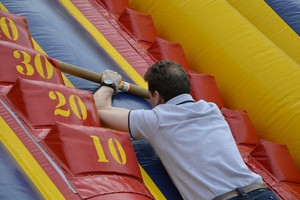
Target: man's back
<point>195,145</point>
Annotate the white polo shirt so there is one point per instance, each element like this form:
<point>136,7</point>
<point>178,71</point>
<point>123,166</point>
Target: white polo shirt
<point>195,144</point>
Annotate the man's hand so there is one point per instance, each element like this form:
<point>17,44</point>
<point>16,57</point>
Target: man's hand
<point>116,77</point>
<point>110,117</point>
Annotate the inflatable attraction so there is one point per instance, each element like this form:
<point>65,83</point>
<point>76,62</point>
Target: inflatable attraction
<point>242,55</point>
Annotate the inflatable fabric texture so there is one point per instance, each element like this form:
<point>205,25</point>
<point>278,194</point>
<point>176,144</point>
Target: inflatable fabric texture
<point>165,50</point>
<point>263,17</point>
<point>44,104</point>
<point>116,7</point>
<point>251,71</point>
<point>20,61</point>
<point>92,144</point>
<point>75,103</point>
<point>288,10</point>
<point>123,44</point>
<point>99,161</point>
<point>12,176</point>
<point>241,126</point>
<point>204,87</point>
<point>276,159</point>
<point>13,28</point>
<point>86,186</point>
<point>140,25</point>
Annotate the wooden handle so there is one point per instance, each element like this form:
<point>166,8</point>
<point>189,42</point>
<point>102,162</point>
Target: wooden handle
<point>97,77</point>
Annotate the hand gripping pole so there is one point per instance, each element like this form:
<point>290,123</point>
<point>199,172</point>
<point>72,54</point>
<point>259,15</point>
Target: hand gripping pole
<point>97,77</point>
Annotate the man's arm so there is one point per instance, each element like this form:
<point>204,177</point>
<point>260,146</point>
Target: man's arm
<point>111,117</point>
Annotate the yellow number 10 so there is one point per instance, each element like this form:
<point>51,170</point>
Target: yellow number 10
<point>112,149</point>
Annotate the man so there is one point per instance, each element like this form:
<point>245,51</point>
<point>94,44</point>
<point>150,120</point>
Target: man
<point>191,138</point>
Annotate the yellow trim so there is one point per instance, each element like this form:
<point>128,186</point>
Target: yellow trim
<point>2,7</point>
<point>38,47</point>
<point>264,18</point>
<point>28,163</point>
<point>151,185</point>
<point>105,44</point>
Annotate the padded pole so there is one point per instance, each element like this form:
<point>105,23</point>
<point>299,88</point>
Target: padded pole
<point>97,77</point>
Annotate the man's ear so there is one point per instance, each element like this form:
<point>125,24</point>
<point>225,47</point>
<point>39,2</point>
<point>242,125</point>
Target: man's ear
<point>158,99</point>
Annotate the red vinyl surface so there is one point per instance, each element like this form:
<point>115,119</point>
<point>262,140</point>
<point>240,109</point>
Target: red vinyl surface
<point>165,50</point>
<point>44,104</point>
<point>98,150</point>
<point>13,28</point>
<point>275,158</point>
<point>116,7</point>
<point>241,126</point>
<point>140,25</point>
<point>204,86</point>
<point>122,41</point>
<point>19,61</point>
<point>98,161</point>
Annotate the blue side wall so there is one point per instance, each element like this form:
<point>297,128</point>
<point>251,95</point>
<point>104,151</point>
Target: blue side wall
<point>14,185</point>
<point>289,11</point>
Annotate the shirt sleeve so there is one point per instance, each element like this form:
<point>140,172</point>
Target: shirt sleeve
<point>142,123</point>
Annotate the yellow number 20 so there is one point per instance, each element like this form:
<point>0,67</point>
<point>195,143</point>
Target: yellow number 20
<point>62,101</point>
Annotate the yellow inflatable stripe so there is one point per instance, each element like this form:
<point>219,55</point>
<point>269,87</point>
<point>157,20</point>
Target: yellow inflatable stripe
<point>105,44</point>
<point>150,184</point>
<point>252,73</point>
<point>2,7</point>
<point>263,17</point>
<point>28,163</point>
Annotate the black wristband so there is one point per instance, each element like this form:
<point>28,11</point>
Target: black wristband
<point>109,83</point>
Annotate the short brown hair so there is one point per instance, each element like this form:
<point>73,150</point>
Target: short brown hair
<point>168,78</point>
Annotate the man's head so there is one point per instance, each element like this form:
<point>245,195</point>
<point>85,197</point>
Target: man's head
<point>168,78</point>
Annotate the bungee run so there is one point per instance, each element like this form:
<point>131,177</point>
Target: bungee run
<point>241,55</point>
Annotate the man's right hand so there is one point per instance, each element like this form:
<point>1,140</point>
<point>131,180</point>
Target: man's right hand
<point>116,77</point>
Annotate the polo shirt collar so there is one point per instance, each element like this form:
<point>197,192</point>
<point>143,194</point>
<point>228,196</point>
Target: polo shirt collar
<point>180,99</point>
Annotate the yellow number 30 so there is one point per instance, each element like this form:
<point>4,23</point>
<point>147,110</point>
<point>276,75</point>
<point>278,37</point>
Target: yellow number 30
<point>38,65</point>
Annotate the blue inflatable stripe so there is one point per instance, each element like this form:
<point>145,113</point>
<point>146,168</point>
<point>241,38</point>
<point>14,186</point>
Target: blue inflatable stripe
<point>14,184</point>
<point>289,11</point>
